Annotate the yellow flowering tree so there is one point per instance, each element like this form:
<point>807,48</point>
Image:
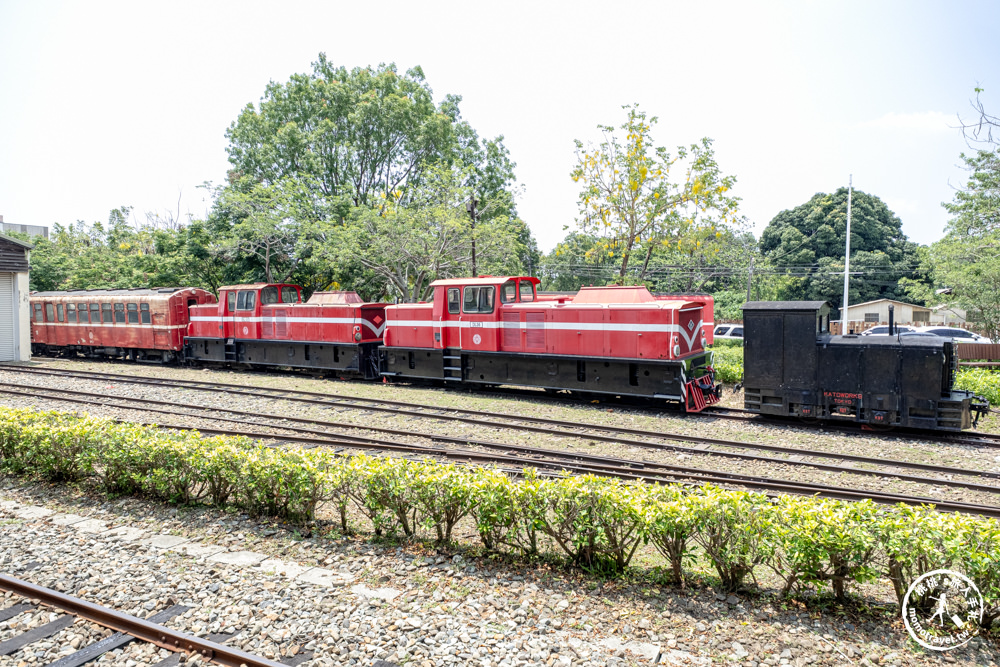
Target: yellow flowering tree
<point>638,197</point>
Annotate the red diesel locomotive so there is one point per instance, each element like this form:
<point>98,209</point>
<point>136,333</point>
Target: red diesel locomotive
<point>619,341</point>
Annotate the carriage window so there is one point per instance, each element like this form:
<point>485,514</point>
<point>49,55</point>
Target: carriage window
<point>269,295</point>
<point>527,291</point>
<point>246,300</point>
<point>144,312</point>
<point>50,313</point>
<point>106,315</point>
<point>454,301</point>
<point>95,313</point>
<point>508,292</point>
<point>59,313</point>
<point>38,313</point>
<point>133,313</point>
<point>70,312</point>
<point>289,294</point>
<point>119,313</point>
<point>83,314</point>
<point>478,299</point>
<point>231,301</point>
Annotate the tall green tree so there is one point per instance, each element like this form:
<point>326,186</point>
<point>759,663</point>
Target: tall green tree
<point>401,246</point>
<point>633,196</point>
<point>805,246</point>
<point>967,259</point>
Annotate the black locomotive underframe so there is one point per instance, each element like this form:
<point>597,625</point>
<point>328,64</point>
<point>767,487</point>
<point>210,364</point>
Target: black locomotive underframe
<point>351,360</point>
<point>950,413</point>
<point>614,376</point>
<point>138,354</point>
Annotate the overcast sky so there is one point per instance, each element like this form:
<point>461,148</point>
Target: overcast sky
<point>107,104</point>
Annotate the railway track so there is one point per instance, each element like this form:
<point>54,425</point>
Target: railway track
<point>991,440</point>
<point>127,629</point>
<point>518,457</point>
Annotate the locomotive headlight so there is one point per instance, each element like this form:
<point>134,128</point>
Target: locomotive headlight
<point>704,342</point>
<point>357,333</point>
<point>677,350</point>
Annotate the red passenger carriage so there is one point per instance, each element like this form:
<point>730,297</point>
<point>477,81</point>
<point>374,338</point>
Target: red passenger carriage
<point>141,324</point>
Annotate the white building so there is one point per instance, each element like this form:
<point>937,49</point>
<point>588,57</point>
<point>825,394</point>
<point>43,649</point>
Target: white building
<point>867,314</point>
<point>948,315</point>
<point>15,325</point>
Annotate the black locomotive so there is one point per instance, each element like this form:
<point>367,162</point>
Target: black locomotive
<point>794,367</point>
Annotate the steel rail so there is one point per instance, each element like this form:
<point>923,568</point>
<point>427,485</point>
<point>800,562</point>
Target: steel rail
<point>154,633</point>
<point>594,464</point>
<point>931,481</point>
<point>980,440</point>
<point>673,437</point>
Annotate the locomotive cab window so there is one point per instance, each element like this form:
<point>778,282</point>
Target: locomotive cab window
<point>119,313</point>
<point>508,292</point>
<point>70,312</point>
<point>144,313</point>
<point>288,295</point>
<point>527,290</point>
<point>454,301</point>
<point>133,313</point>
<point>268,295</point>
<point>106,315</point>
<point>246,300</point>
<point>231,301</point>
<point>478,299</point>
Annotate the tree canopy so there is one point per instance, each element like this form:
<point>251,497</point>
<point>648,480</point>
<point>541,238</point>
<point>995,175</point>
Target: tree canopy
<point>631,198</point>
<point>805,247</point>
<point>967,259</point>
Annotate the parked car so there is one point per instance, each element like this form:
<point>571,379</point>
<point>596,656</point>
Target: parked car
<point>958,335</point>
<point>729,332</point>
<point>883,330</point>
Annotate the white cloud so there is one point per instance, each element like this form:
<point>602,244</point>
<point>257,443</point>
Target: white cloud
<point>930,121</point>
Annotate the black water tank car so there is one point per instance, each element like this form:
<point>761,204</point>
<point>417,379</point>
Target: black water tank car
<point>794,367</point>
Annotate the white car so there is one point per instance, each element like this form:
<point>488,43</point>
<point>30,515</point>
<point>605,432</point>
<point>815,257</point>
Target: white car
<point>728,332</point>
<point>956,334</point>
<point>883,330</point>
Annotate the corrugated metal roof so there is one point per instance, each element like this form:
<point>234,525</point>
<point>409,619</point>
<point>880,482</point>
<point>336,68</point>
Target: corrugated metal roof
<point>138,291</point>
<point>784,305</point>
<point>11,239</point>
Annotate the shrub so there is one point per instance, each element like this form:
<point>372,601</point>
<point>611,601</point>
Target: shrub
<point>670,521</point>
<point>980,381</point>
<point>824,541</point>
<point>735,528</point>
<point>728,360</point>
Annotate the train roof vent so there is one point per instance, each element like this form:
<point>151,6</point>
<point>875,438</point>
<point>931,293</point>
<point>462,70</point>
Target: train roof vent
<point>335,298</point>
<point>614,294</point>
<point>167,290</point>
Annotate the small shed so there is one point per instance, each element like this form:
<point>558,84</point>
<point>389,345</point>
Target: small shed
<point>15,325</point>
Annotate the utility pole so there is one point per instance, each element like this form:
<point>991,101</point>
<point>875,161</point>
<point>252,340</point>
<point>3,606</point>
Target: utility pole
<point>470,206</point>
<point>847,255</point>
<point>750,277</point>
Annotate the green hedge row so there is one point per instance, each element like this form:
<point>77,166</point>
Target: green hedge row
<point>593,522</point>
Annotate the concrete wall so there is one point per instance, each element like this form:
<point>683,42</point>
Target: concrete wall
<point>23,322</point>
